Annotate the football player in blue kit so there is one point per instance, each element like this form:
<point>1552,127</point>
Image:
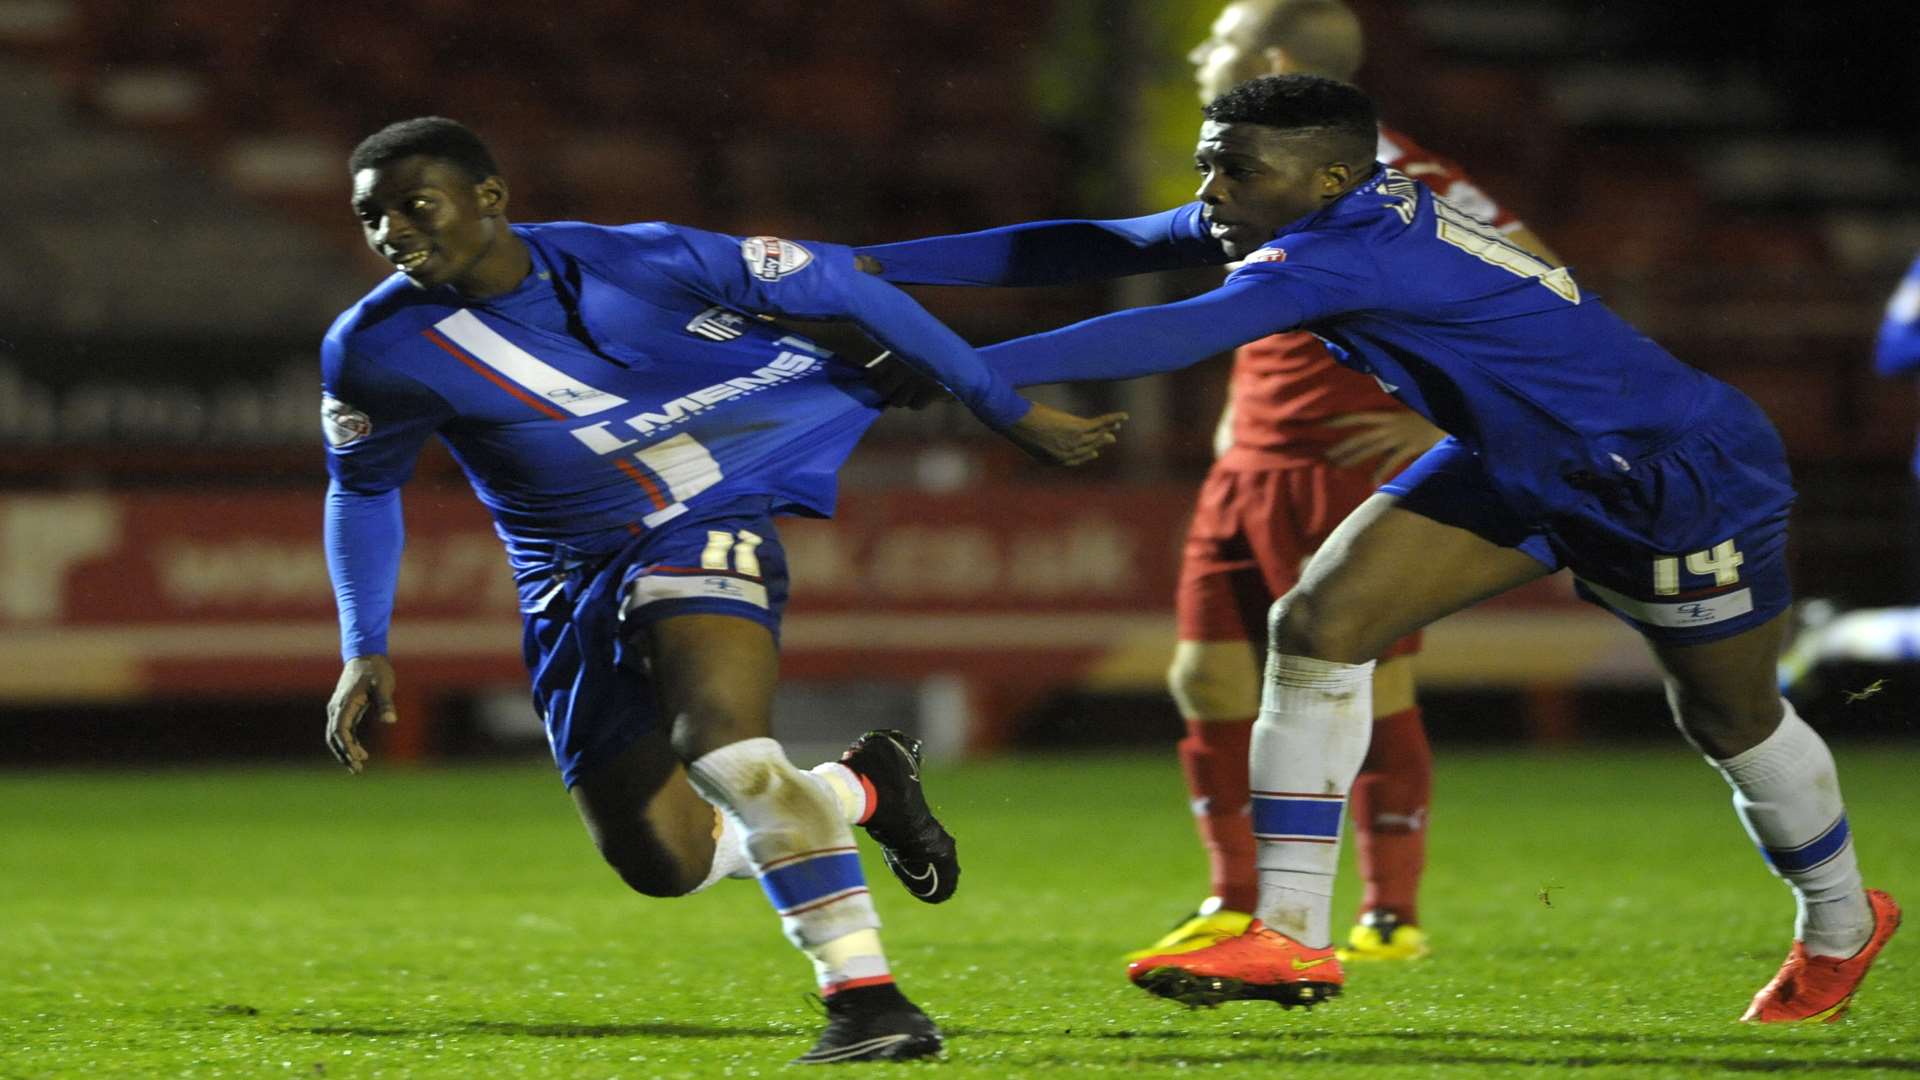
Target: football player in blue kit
<point>634,430</point>
<point>1574,442</point>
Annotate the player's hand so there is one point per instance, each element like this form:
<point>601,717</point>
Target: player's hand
<point>1061,438</point>
<point>900,384</point>
<point>366,686</point>
<point>1394,436</point>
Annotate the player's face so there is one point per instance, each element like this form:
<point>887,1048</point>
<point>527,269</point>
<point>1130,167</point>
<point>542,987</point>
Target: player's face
<point>1230,55</point>
<point>1257,179</point>
<point>428,218</point>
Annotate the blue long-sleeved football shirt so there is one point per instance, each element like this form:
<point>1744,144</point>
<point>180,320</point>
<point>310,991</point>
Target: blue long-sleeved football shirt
<point>1487,341</point>
<point>623,381</point>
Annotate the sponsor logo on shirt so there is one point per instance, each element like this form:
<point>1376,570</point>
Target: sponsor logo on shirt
<point>770,258</point>
<point>718,324</point>
<point>342,423</point>
<point>602,439</point>
<point>1267,254</point>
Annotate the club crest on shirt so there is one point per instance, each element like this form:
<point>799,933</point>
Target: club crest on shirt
<point>342,423</point>
<point>718,324</point>
<point>1268,254</point>
<point>770,258</point>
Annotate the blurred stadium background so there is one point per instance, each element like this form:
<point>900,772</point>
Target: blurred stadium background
<point>175,238</point>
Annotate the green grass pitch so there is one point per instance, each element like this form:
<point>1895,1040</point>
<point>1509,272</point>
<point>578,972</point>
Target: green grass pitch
<point>1595,915</point>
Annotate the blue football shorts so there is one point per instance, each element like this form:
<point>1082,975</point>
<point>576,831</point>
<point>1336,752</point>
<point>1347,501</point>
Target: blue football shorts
<point>586,645</point>
<point>1687,545</point>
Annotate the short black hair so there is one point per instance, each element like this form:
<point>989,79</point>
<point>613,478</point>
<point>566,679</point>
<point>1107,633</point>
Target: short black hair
<point>429,136</point>
<point>1309,104</point>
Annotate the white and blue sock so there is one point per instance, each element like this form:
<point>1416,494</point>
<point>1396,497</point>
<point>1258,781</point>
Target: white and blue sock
<point>1787,793</point>
<point>796,836</point>
<point>1316,718</point>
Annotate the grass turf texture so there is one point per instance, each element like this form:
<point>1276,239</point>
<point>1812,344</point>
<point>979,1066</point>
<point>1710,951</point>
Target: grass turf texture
<point>1594,914</point>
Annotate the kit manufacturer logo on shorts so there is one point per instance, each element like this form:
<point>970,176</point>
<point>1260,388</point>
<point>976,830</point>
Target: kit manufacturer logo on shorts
<point>342,423</point>
<point>1701,612</point>
<point>654,588</point>
<point>770,258</point>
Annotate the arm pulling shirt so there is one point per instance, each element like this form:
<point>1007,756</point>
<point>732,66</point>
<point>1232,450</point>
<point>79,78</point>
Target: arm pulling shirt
<point>622,381</point>
<point>1492,345</point>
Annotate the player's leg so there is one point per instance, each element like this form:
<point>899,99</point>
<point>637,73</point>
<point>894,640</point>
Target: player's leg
<point>616,758</point>
<point>1214,678</point>
<point>1216,686</point>
<point>651,826</point>
<point>664,839</point>
<point>1391,568</point>
<point>1787,794</point>
<point>714,676</point>
<point>1388,802</point>
<point>1388,808</point>
<point>1385,572</point>
<point>1715,616</point>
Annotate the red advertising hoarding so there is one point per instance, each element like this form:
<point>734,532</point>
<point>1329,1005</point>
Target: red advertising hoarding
<point>1015,589</point>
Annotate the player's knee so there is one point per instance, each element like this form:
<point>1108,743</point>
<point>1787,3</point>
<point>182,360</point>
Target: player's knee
<point>1725,726</point>
<point>1300,624</point>
<point>1204,689</point>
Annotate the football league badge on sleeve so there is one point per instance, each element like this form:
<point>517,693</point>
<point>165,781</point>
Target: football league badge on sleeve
<point>343,423</point>
<point>1267,254</point>
<point>770,258</point>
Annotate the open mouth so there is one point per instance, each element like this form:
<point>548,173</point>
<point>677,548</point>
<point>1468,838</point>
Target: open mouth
<point>412,260</point>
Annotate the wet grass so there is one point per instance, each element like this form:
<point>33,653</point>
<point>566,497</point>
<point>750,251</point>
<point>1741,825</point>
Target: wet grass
<point>455,923</point>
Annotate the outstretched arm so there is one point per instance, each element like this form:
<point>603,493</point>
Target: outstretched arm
<point>1052,252</point>
<point>1312,278</point>
<point>1145,341</point>
<point>817,280</point>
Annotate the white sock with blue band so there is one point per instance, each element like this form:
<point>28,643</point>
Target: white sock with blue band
<point>801,847</point>
<point>1787,793</point>
<point>1316,718</point>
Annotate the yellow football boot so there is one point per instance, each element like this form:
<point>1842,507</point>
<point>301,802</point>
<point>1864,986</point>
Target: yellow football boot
<point>1208,926</point>
<point>1380,935</point>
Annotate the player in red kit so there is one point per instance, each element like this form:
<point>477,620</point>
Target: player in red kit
<point>1303,441</point>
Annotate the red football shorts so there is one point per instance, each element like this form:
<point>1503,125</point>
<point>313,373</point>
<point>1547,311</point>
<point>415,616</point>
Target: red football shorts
<point>1252,532</point>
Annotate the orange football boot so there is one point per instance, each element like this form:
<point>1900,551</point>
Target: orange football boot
<point>1821,987</point>
<point>1259,965</point>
